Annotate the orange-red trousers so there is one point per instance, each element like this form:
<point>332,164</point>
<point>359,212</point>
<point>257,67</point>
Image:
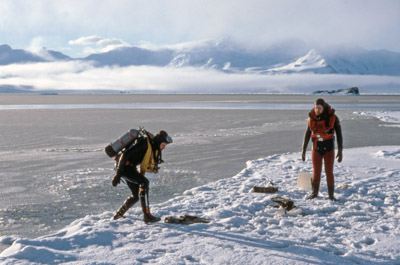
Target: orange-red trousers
<point>329,160</point>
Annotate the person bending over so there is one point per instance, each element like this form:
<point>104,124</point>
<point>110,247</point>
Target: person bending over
<point>146,152</point>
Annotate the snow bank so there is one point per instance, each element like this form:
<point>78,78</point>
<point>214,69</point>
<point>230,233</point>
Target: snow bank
<point>386,116</point>
<point>361,228</point>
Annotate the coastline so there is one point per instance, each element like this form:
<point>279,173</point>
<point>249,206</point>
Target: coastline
<point>20,99</point>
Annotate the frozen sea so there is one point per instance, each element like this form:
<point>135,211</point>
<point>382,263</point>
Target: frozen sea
<point>54,170</point>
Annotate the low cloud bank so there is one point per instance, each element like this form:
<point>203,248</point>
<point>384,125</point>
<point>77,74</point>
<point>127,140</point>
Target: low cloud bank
<point>79,76</point>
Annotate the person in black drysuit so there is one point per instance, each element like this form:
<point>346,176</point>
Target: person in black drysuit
<point>148,157</point>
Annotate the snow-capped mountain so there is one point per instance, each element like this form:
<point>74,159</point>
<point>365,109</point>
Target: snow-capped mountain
<point>340,61</point>
<point>229,56</point>
<point>287,57</point>
<point>223,55</point>
<point>356,60</point>
<point>311,62</point>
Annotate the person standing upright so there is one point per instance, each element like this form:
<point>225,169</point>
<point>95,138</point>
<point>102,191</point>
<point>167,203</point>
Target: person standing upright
<point>322,125</point>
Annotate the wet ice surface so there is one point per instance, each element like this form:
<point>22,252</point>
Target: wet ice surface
<point>53,168</point>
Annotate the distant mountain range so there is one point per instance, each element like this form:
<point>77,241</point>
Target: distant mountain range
<point>283,58</point>
<point>11,56</point>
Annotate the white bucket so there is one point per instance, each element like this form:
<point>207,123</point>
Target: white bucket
<point>304,181</point>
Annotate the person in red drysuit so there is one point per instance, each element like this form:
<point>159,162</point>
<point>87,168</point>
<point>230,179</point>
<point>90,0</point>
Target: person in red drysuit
<point>322,125</point>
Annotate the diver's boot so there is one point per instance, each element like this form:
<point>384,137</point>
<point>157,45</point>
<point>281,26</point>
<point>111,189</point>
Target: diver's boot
<point>124,208</point>
<point>315,190</point>
<point>331,191</point>
<point>147,216</point>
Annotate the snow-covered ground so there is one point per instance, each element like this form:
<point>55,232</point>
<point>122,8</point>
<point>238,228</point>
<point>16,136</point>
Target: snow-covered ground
<point>361,228</point>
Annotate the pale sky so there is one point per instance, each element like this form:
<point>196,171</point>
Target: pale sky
<point>78,27</point>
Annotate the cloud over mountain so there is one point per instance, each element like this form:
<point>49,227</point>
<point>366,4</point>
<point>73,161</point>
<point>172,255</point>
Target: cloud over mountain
<point>285,57</point>
<point>97,44</point>
<point>292,56</point>
<point>90,40</point>
<point>203,67</point>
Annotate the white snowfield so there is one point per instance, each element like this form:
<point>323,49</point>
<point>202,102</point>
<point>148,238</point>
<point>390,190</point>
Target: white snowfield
<point>363,227</point>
